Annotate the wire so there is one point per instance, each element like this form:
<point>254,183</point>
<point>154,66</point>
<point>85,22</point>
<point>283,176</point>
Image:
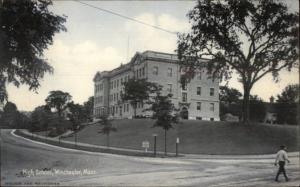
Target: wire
<point>126,17</point>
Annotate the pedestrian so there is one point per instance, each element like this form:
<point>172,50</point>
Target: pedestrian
<point>281,158</point>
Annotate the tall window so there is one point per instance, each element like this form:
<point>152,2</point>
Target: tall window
<point>169,88</point>
<point>198,105</point>
<point>143,71</point>
<point>199,76</point>
<point>169,72</point>
<point>211,91</point>
<point>198,90</point>
<point>155,70</point>
<point>184,97</point>
<point>212,107</point>
<point>127,107</point>
<point>118,83</point>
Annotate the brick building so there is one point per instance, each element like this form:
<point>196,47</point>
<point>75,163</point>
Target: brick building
<point>199,99</point>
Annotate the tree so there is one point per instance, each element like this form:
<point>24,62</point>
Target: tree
<point>41,118</point>
<point>163,111</point>
<point>12,118</point>
<point>27,27</point>
<point>286,105</point>
<point>58,100</point>
<point>76,117</point>
<point>249,38</point>
<point>88,108</point>
<point>137,91</point>
<point>229,101</point>
<point>107,127</point>
<point>76,114</point>
<point>229,95</point>
<point>290,94</point>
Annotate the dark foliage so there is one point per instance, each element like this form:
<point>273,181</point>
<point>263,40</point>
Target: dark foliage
<point>27,28</point>
<point>138,91</point>
<point>250,38</point>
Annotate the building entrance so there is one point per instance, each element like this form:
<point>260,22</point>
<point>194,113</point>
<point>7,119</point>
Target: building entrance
<point>184,113</point>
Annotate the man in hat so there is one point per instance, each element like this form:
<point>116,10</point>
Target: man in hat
<point>281,158</point>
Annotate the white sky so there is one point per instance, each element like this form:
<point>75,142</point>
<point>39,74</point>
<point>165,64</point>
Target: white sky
<point>98,41</point>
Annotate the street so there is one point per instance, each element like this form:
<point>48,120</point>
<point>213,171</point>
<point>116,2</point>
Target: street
<point>25,162</point>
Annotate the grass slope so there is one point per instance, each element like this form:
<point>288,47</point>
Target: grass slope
<point>197,137</point>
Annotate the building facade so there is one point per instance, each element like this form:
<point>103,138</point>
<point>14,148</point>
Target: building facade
<point>198,99</point>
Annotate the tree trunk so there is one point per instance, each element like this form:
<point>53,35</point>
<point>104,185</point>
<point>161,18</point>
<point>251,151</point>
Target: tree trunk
<point>246,98</point>
<point>134,110</point>
<point>107,140</point>
<point>165,142</point>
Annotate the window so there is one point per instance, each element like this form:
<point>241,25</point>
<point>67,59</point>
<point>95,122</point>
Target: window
<point>198,90</point>
<point>169,72</point>
<point>122,81</point>
<point>155,70</point>
<point>169,88</point>
<point>127,107</point>
<point>212,107</point>
<point>124,108</point>
<point>115,84</point>
<point>184,97</point>
<point>184,86</point>
<point>211,91</point>
<point>198,105</point>
<point>117,96</point>
<point>140,72</point>
<point>143,71</point>
<point>101,99</point>
<point>118,83</point>
<point>199,76</point>
<point>114,97</point>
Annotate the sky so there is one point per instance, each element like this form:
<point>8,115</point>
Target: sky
<point>99,41</point>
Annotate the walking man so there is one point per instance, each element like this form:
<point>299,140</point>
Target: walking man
<point>281,158</point>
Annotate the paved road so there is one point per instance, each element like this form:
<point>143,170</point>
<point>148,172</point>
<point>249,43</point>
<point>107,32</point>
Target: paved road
<point>24,162</point>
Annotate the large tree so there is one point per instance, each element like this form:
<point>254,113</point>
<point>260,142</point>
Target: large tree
<point>27,28</point>
<point>165,114</point>
<point>138,91</point>
<point>250,38</point>
<point>59,101</point>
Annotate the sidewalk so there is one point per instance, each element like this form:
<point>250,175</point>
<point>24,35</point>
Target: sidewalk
<point>134,152</point>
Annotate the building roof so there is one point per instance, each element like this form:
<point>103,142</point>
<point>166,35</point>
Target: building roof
<point>137,58</point>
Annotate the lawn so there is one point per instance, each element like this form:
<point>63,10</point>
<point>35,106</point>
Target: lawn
<point>197,137</point>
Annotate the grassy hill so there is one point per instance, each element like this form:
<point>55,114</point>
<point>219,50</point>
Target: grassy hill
<point>197,137</point>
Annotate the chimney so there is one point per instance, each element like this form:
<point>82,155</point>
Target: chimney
<point>271,99</point>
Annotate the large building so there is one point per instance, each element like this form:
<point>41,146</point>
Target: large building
<point>199,99</point>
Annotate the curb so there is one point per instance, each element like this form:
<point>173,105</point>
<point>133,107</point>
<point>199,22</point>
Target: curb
<point>88,147</point>
<point>131,152</point>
